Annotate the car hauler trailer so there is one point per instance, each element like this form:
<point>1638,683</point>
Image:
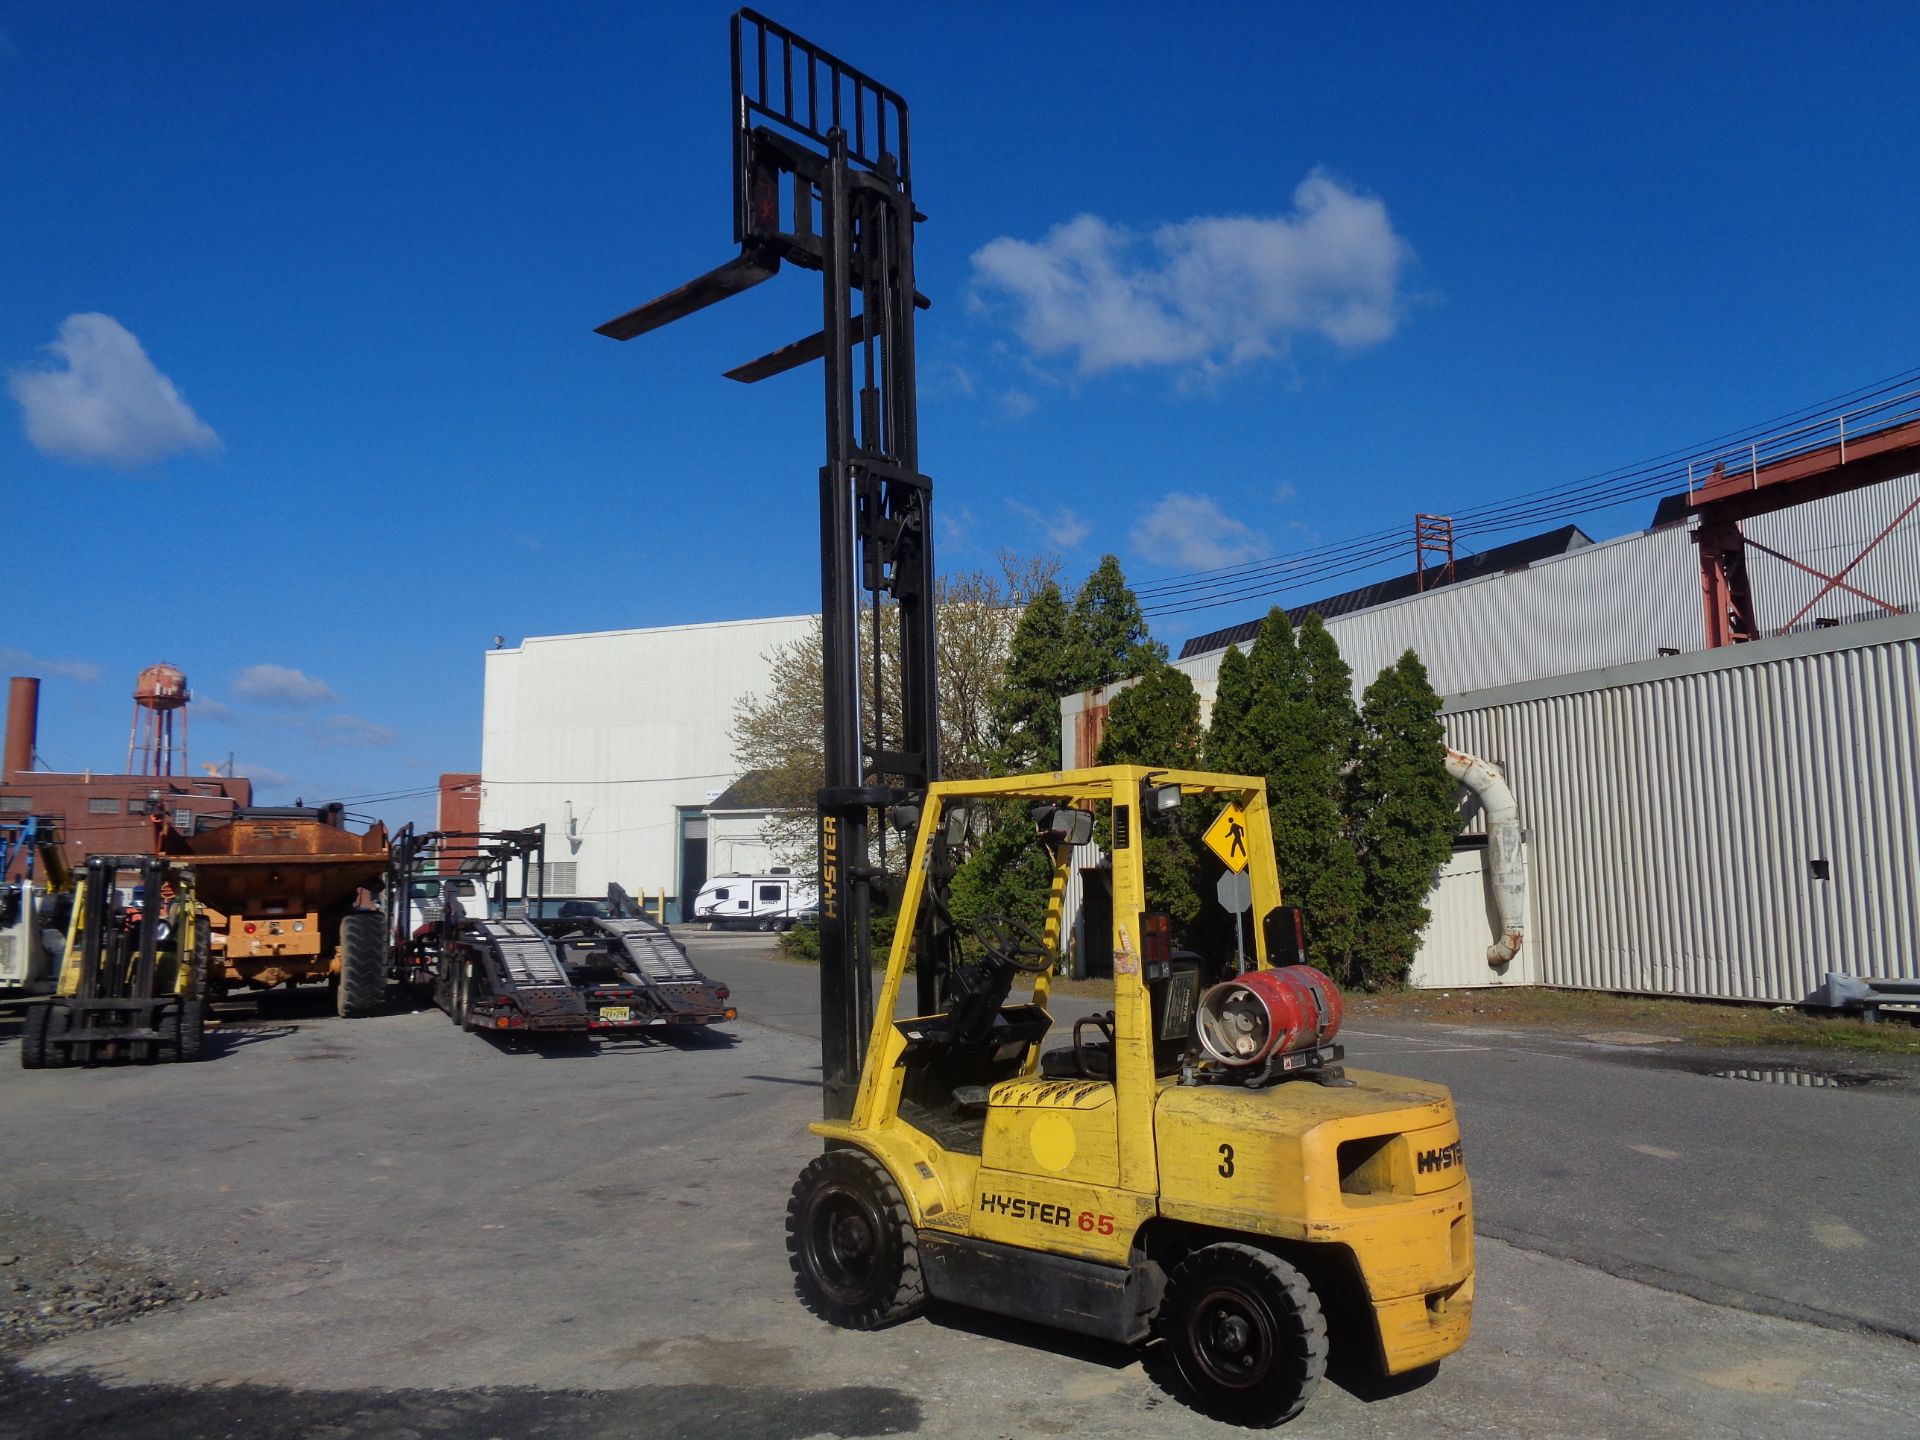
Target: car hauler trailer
<point>286,890</point>
<point>458,938</point>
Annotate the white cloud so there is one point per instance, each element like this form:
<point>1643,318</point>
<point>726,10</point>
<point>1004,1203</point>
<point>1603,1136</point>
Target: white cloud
<point>1019,404</point>
<point>108,404</point>
<point>21,662</point>
<point>205,707</point>
<point>1211,292</point>
<point>1192,532</point>
<point>349,731</point>
<point>1061,526</point>
<point>281,685</point>
<point>264,777</point>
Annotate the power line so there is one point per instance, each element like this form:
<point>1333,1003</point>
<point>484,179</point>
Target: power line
<point>1879,404</point>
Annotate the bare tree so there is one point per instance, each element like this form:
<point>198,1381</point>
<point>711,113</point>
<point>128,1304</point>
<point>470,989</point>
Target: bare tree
<point>779,732</point>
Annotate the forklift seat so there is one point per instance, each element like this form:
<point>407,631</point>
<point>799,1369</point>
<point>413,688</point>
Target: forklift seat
<point>1172,997</point>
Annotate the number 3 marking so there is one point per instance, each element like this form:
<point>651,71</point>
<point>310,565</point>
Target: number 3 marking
<point>1226,1162</point>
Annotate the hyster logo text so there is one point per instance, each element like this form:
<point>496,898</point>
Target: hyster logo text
<point>1018,1207</point>
<point>1445,1158</point>
<point>830,867</point>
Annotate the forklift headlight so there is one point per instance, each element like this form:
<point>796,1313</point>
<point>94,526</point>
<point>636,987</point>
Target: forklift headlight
<point>1159,799</point>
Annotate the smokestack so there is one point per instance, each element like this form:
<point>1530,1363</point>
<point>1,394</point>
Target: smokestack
<point>23,723</point>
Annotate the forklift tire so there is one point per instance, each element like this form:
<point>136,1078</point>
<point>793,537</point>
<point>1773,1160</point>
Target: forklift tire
<point>1246,1332</point>
<point>190,1034</point>
<point>851,1242</point>
<point>363,963</point>
<point>33,1037</point>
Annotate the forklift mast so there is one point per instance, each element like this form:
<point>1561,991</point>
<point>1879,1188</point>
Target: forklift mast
<point>823,180</point>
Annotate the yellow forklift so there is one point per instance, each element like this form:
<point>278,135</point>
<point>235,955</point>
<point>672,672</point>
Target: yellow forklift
<point>1196,1163</point>
<point>133,981</point>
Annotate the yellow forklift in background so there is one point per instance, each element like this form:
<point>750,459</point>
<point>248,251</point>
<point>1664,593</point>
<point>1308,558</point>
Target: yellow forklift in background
<point>1195,1163</point>
<point>133,982</point>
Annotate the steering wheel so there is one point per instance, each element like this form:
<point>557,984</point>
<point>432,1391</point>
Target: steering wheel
<point>1014,943</point>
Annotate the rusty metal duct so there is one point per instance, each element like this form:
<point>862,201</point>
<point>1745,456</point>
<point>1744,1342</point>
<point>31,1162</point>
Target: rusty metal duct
<point>1505,865</point>
<point>23,724</point>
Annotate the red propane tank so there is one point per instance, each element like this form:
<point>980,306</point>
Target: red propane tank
<point>1268,1012</point>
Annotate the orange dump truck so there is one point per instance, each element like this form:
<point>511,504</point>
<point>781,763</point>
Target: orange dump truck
<point>281,886</point>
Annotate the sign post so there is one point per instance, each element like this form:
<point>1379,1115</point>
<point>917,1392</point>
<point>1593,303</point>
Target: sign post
<point>1236,896</point>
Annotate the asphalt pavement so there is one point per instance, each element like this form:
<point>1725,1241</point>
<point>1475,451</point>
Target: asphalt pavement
<point>396,1228</point>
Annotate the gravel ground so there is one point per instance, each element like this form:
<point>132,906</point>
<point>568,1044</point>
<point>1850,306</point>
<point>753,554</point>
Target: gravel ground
<point>55,1282</point>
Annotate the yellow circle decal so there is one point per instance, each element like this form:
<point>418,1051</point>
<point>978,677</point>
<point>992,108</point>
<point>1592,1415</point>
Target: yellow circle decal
<point>1052,1141</point>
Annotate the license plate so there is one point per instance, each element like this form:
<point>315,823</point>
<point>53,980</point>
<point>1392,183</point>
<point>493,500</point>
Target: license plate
<point>616,1014</point>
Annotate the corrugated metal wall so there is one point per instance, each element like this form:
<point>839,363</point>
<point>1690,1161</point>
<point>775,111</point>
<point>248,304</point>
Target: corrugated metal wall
<point>1464,922</point>
<point>1828,534</point>
<point>1675,812</point>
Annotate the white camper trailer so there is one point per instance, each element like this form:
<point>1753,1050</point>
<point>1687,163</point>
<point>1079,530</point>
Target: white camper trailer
<point>777,900</point>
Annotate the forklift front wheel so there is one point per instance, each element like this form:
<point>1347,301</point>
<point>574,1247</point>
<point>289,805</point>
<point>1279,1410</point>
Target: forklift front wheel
<point>851,1242</point>
<point>1246,1332</point>
<point>33,1037</point>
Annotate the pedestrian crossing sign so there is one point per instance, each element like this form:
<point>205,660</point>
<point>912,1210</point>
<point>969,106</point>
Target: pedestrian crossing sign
<point>1227,838</point>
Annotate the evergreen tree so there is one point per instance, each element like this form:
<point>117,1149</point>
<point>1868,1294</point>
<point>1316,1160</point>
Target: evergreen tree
<point>1107,637</point>
<point>1056,651</point>
<point>1157,722</point>
<point>1026,705</point>
<point>1327,686</point>
<point>1298,733</point>
<point>1404,815</point>
<point>1227,746</point>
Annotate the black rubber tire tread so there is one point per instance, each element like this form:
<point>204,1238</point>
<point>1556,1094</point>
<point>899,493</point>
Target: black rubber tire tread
<point>33,1037</point>
<point>460,994</point>
<point>191,1023</point>
<point>363,963</point>
<point>897,1291</point>
<point>168,1050</point>
<point>1261,1279</point>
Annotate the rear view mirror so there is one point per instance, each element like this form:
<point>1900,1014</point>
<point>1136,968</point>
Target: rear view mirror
<point>954,826</point>
<point>1063,825</point>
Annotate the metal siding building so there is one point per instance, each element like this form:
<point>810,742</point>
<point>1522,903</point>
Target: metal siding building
<point>616,741</point>
<point>1682,813</point>
<point>1619,601</point>
<point>1674,806</point>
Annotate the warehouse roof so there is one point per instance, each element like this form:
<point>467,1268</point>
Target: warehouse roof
<point>1515,555</point>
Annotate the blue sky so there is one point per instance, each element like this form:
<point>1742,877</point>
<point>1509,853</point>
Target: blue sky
<point>327,411</point>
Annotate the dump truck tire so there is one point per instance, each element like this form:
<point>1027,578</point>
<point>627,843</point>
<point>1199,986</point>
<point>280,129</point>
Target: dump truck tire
<point>363,964</point>
<point>33,1037</point>
<point>852,1245</point>
<point>1246,1332</point>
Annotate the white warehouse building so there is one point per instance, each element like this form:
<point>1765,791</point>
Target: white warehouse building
<point>618,742</point>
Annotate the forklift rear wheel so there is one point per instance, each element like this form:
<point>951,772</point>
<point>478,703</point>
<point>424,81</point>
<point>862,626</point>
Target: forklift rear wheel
<point>363,963</point>
<point>1246,1332</point>
<point>851,1242</point>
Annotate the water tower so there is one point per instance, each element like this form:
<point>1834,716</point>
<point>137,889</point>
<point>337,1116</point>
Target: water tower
<point>160,691</point>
